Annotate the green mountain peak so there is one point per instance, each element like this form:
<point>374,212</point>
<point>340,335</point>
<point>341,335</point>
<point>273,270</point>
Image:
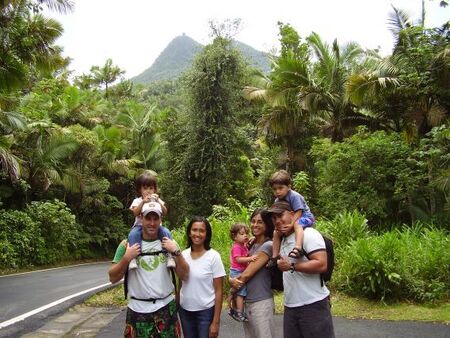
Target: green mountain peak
<point>177,57</point>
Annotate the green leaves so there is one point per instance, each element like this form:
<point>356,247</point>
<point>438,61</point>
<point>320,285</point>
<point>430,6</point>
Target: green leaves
<point>360,173</point>
<point>408,264</point>
<point>27,46</point>
<point>209,154</point>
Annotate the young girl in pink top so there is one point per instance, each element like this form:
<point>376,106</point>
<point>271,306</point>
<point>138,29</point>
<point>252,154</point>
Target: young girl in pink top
<point>239,260</point>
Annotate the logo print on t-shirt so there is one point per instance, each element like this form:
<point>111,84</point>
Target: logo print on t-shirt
<point>153,262</point>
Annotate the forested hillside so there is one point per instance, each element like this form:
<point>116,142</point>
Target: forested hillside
<point>365,137</point>
<point>177,57</point>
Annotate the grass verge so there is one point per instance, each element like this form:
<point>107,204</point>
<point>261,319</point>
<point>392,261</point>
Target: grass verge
<point>342,306</point>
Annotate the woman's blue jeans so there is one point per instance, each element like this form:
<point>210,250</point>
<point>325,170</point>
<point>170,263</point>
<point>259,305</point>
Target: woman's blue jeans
<point>196,324</point>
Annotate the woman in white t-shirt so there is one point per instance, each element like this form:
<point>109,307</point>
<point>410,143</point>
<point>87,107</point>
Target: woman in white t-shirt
<point>201,294</point>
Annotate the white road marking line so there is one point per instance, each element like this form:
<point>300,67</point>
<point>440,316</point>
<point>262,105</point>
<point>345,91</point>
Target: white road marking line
<point>45,307</point>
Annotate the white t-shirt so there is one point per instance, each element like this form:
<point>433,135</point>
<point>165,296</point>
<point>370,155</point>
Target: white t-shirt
<point>197,293</point>
<point>303,288</point>
<point>151,280</point>
<point>135,203</point>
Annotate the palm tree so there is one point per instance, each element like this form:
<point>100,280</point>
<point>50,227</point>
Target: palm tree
<point>61,6</point>
<point>47,151</point>
<point>10,122</point>
<point>8,161</point>
<point>36,53</point>
<point>143,127</point>
<point>325,96</point>
<point>106,75</point>
<point>372,88</point>
<point>283,120</point>
<point>409,89</point>
<point>112,158</point>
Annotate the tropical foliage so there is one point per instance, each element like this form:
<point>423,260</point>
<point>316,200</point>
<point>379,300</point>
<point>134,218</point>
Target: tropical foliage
<point>365,137</point>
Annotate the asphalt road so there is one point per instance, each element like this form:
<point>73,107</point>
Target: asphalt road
<point>344,328</point>
<point>22,293</point>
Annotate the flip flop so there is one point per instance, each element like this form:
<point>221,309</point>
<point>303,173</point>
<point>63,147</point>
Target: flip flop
<point>296,253</point>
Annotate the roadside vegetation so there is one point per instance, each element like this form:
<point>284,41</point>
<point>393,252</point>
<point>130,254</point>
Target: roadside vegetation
<point>342,306</point>
<point>366,138</point>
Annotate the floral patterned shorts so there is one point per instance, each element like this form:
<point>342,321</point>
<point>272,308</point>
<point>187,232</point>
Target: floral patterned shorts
<point>159,324</point>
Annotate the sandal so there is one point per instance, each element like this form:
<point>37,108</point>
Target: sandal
<point>272,262</point>
<point>296,253</point>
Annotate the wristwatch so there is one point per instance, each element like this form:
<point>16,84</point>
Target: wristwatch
<point>176,253</point>
<point>292,269</point>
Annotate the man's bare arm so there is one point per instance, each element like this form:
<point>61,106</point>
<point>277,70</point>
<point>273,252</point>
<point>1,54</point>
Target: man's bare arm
<point>317,263</point>
<point>250,271</point>
<point>117,270</point>
<point>182,267</point>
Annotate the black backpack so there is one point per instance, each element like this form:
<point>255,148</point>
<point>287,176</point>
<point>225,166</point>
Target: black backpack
<point>276,278</point>
<point>326,276</point>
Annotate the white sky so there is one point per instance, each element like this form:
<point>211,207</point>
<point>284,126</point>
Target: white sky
<point>133,33</point>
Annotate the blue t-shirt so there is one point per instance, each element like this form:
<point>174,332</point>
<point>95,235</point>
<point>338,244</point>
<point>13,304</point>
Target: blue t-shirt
<point>297,202</point>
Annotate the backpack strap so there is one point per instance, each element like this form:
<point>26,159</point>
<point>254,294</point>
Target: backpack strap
<point>326,275</point>
<point>153,300</point>
<point>307,256</point>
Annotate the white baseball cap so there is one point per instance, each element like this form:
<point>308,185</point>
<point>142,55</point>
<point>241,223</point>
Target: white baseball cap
<point>151,207</point>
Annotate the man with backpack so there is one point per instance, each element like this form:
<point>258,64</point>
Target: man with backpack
<point>152,309</point>
<point>306,299</point>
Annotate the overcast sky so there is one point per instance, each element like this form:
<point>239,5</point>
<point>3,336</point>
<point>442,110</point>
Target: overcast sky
<point>133,33</point>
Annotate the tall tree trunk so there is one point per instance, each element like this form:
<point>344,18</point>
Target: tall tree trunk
<point>432,193</point>
<point>410,208</point>
<point>288,158</point>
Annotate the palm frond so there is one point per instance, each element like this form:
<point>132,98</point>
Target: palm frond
<point>60,148</point>
<point>320,48</point>
<point>10,121</point>
<point>436,115</point>
<point>398,20</point>
<point>350,52</point>
<point>71,180</point>
<point>9,162</point>
<point>61,6</point>
<point>255,94</point>
<point>367,87</point>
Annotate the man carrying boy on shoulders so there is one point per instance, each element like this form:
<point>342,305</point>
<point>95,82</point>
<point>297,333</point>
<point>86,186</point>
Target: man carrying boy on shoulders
<point>151,308</point>
<point>307,307</point>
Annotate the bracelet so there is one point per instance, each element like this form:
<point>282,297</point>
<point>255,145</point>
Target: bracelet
<point>292,269</point>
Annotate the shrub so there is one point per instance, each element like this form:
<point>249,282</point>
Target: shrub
<point>100,215</point>
<point>362,172</point>
<point>411,264</point>
<point>21,243</point>
<point>58,228</point>
<point>301,182</point>
<point>345,228</point>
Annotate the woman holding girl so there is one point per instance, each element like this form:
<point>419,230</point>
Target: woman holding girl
<point>259,302</point>
<point>201,294</point>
